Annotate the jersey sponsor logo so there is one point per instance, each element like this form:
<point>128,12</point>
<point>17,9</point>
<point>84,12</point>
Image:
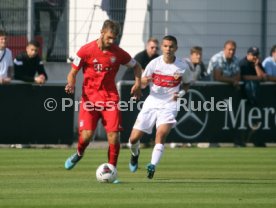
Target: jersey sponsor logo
<point>199,118</point>
<point>165,80</point>
<point>76,61</point>
<point>176,75</point>
<point>98,67</point>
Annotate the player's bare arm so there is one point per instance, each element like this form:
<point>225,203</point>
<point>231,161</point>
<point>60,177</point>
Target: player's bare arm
<point>145,81</point>
<point>136,88</point>
<point>71,81</point>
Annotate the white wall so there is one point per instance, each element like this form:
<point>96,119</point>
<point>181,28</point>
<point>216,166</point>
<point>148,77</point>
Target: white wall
<point>85,22</point>
<point>86,19</point>
<point>207,23</point>
<point>271,29</point>
<point>136,28</point>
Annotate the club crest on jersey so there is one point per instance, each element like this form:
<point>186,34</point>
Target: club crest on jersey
<point>176,75</point>
<point>113,59</point>
<point>157,80</point>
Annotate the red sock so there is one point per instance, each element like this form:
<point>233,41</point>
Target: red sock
<point>113,153</point>
<point>82,145</point>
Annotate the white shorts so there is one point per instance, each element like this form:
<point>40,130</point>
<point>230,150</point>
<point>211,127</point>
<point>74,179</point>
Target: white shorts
<point>150,116</point>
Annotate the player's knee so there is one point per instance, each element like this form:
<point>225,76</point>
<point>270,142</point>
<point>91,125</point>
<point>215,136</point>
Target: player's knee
<point>113,137</point>
<point>86,135</point>
<point>135,136</point>
<point>161,137</point>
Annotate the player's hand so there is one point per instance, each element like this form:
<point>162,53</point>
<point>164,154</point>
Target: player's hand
<point>136,91</point>
<point>179,94</point>
<point>69,89</point>
<point>175,96</point>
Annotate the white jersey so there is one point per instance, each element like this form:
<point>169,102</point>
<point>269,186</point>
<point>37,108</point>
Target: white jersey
<point>159,107</point>
<point>166,80</point>
<point>5,62</point>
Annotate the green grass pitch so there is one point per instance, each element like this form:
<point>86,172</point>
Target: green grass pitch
<point>185,178</point>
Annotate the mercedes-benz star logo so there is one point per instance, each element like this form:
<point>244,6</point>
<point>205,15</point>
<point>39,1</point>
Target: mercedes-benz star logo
<point>192,123</point>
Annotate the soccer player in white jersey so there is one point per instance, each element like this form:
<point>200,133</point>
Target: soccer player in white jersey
<point>166,75</point>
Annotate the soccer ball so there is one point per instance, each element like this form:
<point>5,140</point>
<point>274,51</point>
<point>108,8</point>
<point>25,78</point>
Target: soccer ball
<point>106,173</point>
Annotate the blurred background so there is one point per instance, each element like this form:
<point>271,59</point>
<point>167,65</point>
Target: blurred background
<point>63,26</point>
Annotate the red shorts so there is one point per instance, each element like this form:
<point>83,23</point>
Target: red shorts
<point>89,117</point>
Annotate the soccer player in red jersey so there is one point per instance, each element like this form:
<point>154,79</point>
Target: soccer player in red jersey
<point>100,61</point>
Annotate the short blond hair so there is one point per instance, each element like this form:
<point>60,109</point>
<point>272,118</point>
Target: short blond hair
<point>153,39</point>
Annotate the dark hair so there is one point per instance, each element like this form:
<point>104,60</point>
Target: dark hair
<point>273,49</point>
<point>34,43</point>
<point>230,42</point>
<point>196,49</point>
<point>170,38</point>
<point>3,33</point>
<point>112,25</point>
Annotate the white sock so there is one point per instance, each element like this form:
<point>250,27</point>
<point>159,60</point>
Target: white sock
<point>134,148</point>
<point>157,153</point>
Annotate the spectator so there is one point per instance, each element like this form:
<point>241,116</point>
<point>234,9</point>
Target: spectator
<point>252,73</point>
<point>55,10</point>
<point>28,64</point>
<point>144,57</point>
<point>269,64</point>
<point>196,66</point>
<point>6,64</point>
<point>224,66</point>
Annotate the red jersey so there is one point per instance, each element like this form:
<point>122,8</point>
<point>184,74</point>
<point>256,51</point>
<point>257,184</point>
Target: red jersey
<point>99,71</point>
